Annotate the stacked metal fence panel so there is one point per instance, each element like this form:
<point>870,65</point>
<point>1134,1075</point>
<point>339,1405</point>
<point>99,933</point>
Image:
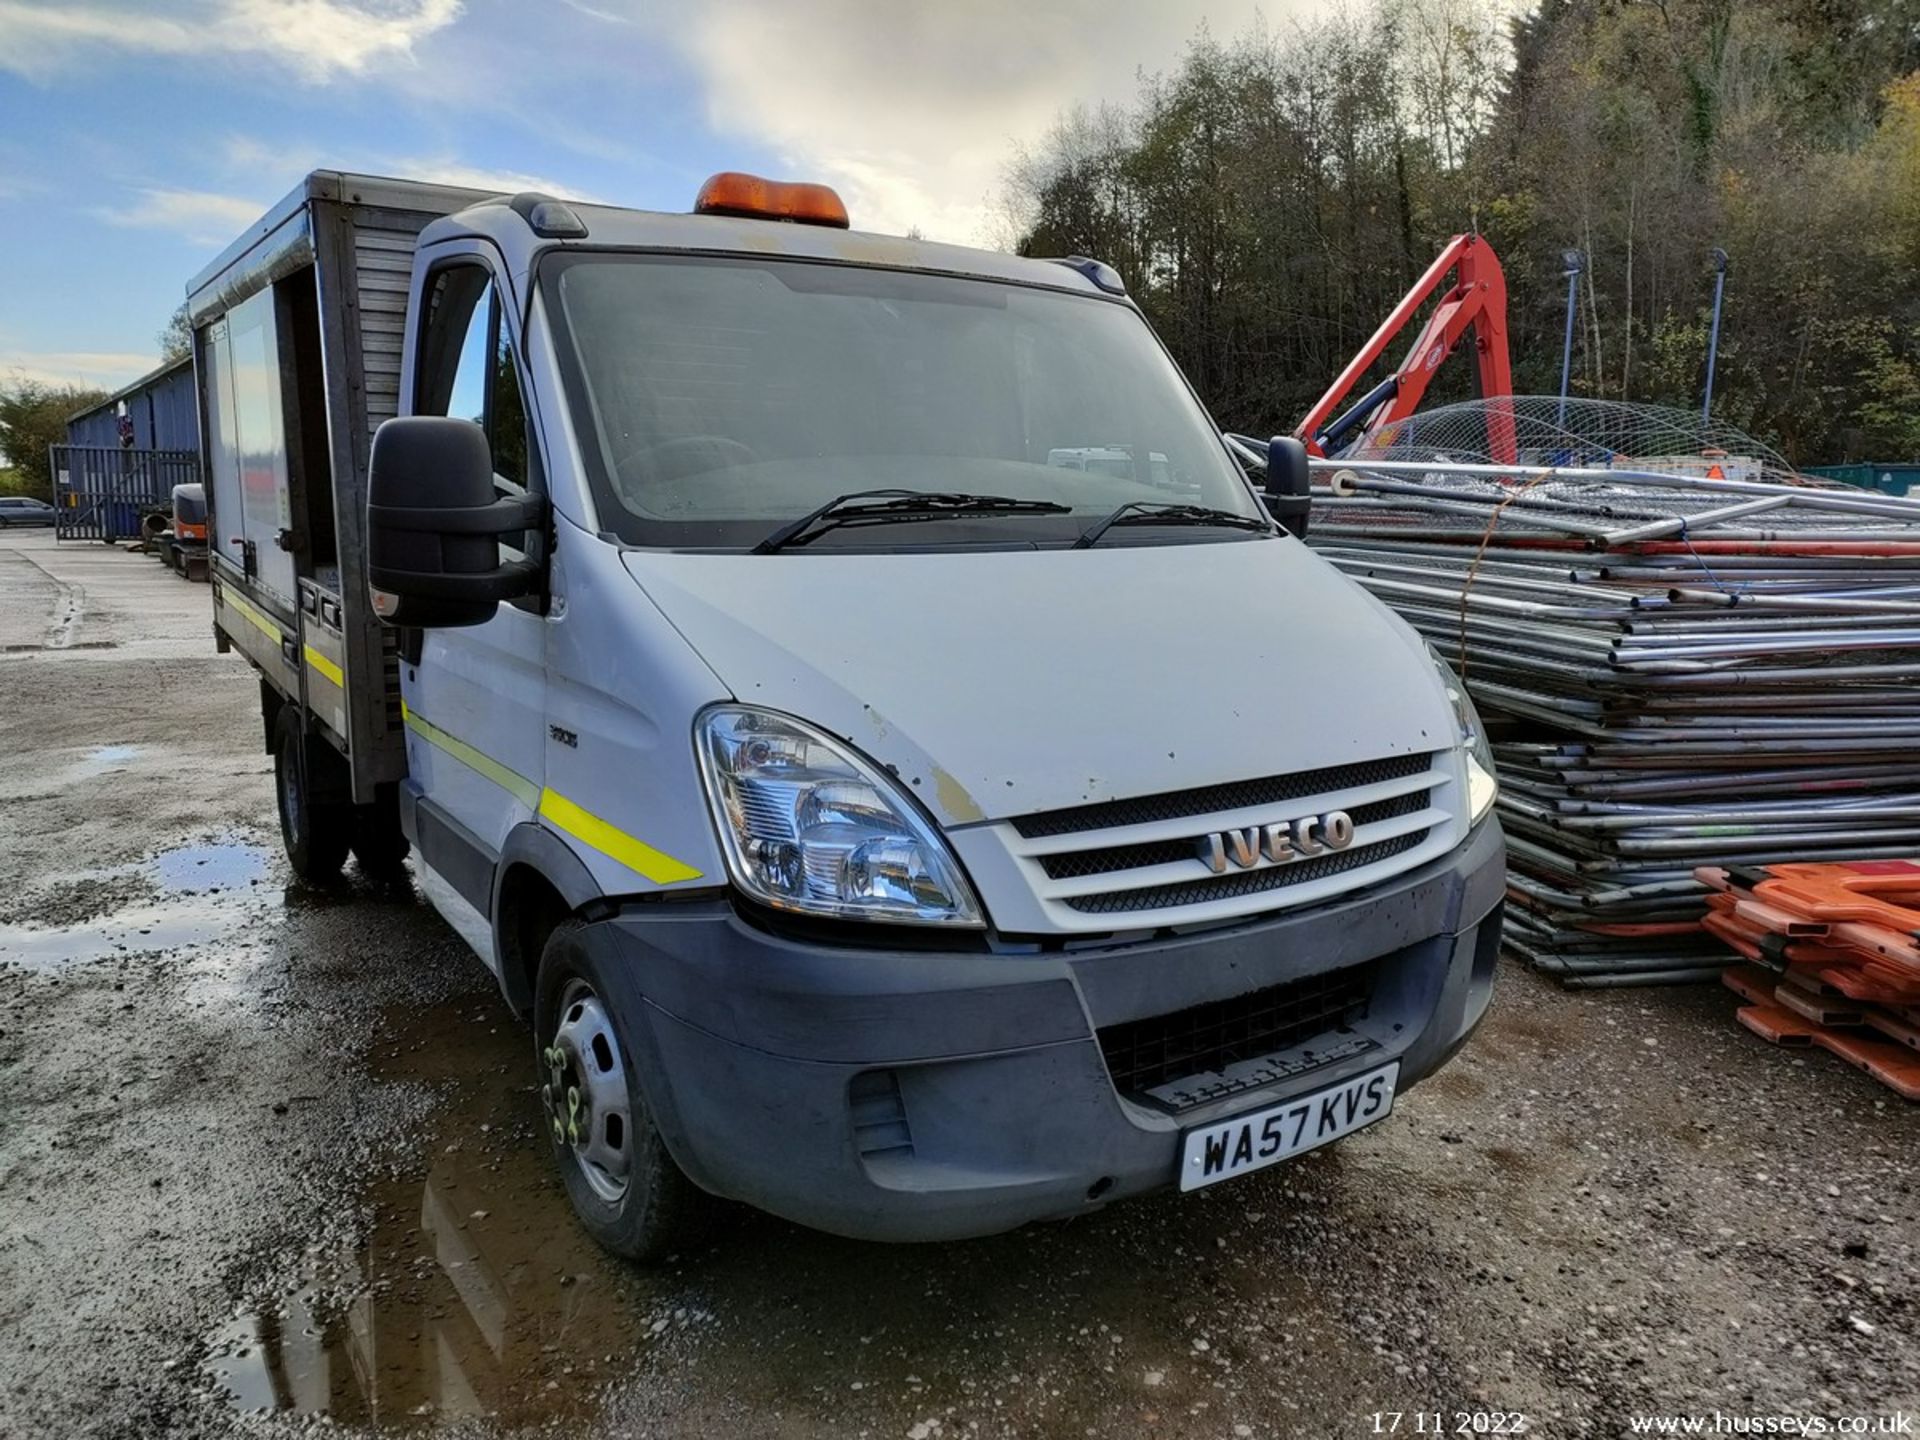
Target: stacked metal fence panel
<point>1683,669</point>
<point>102,492</point>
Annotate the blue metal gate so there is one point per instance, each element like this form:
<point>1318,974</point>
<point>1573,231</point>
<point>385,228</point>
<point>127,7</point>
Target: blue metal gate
<point>102,492</point>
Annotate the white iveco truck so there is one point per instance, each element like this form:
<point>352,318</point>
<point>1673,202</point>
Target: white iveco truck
<point>847,692</point>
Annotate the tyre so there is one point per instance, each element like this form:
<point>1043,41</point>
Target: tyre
<point>314,830</point>
<point>626,1189</point>
<point>377,840</point>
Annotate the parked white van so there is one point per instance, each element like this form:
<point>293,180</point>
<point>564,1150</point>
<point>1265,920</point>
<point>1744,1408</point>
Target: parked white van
<point>882,822</point>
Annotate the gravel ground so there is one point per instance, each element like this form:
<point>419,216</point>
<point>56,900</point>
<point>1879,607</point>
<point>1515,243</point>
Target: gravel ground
<point>268,1163</point>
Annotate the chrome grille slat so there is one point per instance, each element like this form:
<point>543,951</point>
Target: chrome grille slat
<point>1415,822</point>
<point>1244,882</point>
<point>1068,865</point>
<point>1142,858</point>
<point>1209,799</point>
<point>1185,828</point>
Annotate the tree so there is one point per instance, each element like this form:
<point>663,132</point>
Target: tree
<point>1272,196</point>
<point>33,416</point>
<point>176,341</point>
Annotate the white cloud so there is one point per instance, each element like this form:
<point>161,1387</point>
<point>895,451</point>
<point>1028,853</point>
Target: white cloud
<point>246,154</point>
<point>596,13</point>
<point>913,111</point>
<point>200,215</point>
<point>317,39</point>
<point>101,369</point>
<point>446,170</point>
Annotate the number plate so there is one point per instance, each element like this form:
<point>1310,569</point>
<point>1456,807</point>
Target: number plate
<point>1279,1132</point>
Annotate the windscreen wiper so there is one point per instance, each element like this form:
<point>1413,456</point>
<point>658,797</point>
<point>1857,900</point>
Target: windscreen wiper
<point>900,506</point>
<point>1169,512</point>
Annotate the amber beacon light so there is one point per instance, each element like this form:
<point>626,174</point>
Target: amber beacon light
<point>732,192</point>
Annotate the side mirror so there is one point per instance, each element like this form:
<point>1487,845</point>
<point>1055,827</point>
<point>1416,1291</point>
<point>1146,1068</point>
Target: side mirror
<point>1288,483</point>
<point>434,525</point>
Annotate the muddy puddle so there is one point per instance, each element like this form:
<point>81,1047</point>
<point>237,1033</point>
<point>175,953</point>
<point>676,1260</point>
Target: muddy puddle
<point>180,897</point>
<point>467,1290</point>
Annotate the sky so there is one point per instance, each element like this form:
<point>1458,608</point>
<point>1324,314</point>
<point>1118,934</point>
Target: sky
<point>138,137</point>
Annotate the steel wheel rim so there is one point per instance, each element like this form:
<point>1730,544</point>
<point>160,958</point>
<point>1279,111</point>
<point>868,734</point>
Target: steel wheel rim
<point>585,1093</point>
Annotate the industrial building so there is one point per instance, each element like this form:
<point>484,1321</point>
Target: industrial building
<point>155,412</point>
<point>124,455</point>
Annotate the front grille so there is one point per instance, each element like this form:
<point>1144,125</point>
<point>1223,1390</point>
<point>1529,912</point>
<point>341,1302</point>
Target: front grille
<point>1211,799</point>
<point>1074,863</point>
<point>1246,882</point>
<point>1206,1039</point>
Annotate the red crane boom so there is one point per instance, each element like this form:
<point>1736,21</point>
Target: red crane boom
<point>1477,302</point>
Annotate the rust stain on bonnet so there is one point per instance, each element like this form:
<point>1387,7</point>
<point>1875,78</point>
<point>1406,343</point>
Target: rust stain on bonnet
<point>954,799</point>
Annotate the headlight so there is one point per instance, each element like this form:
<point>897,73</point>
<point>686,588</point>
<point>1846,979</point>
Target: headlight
<point>1482,787</point>
<point>808,825</point>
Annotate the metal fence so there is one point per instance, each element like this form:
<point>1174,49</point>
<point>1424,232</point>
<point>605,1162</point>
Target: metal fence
<point>101,492</point>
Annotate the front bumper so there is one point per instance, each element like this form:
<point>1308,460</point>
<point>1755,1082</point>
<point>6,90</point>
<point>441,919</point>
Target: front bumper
<point>921,1095</point>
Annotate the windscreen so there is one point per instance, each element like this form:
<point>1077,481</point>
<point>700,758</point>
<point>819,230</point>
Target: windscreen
<point>721,398</point>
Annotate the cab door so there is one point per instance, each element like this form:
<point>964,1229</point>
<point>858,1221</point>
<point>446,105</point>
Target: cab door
<point>475,697</point>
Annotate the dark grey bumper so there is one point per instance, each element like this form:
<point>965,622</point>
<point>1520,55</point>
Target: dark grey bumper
<point>909,1095</point>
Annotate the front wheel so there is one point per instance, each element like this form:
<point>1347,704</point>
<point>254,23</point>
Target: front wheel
<point>314,831</point>
<point>625,1188</point>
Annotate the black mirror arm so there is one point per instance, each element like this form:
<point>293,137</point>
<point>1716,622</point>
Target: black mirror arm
<point>503,517</point>
<point>504,582</point>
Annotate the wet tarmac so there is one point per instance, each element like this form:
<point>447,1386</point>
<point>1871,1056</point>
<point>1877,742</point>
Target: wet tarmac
<point>459,1295</point>
<point>269,1162</point>
<point>184,882</point>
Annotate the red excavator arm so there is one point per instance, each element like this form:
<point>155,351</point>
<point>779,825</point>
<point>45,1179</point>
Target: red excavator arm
<point>1477,301</point>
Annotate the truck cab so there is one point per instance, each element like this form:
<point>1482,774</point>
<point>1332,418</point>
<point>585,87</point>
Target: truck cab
<point>851,697</point>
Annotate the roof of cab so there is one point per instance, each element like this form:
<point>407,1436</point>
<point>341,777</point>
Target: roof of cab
<point>611,227</point>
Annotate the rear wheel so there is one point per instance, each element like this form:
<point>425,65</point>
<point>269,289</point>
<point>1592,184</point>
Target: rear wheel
<point>313,825</point>
<point>625,1188</point>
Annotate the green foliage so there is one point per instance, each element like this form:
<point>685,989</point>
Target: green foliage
<point>176,340</point>
<point>1270,199</point>
<point>33,416</point>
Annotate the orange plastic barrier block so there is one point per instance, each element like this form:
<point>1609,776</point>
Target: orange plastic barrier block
<point>1873,892</point>
<point>1812,952</point>
<point>1893,1027</point>
<point>1763,912</point>
<point>1782,1027</point>
<point>1896,987</point>
<point>1891,1064</point>
<point>1723,926</point>
<point>1750,983</point>
<point>1882,944</point>
<point>1820,1009</point>
<point>1866,983</point>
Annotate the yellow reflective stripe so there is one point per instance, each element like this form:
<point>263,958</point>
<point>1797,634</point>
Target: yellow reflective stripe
<point>518,786</point>
<point>326,667</point>
<point>589,829</point>
<point>247,612</point>
<point>557,810</point>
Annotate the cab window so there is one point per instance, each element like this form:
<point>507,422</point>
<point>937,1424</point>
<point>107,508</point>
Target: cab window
<point>468,369</point>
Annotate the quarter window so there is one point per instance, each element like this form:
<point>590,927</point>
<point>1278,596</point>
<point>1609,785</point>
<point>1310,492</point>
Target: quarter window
<point>468,369</point>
